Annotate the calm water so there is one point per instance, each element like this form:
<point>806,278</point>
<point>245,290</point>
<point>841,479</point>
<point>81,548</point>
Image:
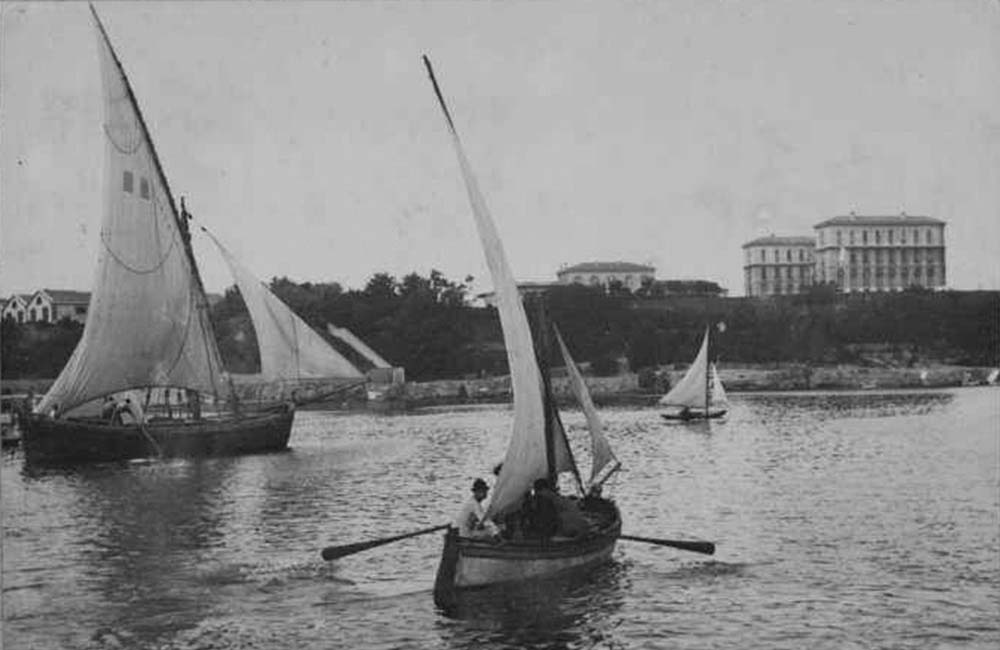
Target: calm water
<point>843,520</point>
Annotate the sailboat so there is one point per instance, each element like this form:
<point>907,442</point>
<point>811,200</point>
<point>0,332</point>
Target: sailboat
<point>699,395</point>
<point>296,363</point>
<point>538,448</point>
<point>148,327</point>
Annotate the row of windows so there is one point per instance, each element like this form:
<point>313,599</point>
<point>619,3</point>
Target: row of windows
<point>776,255</point>
<point>33,315</point>
<point>627,280</point>
<point>128,185</point>
<point>904,255</point>
<point>789,272</point>
<point>889,235</point>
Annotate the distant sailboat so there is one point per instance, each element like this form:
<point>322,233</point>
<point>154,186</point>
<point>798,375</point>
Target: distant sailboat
<point>291,353</point>
<point>538,448</point>
<point>148,325</point>
<point>699,394</point>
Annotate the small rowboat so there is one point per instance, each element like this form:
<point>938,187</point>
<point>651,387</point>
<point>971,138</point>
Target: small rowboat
<point>468,563</point>
<point>538,448</point>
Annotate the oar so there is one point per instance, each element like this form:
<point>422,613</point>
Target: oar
<point>334,552</point>
<point>708,548</point>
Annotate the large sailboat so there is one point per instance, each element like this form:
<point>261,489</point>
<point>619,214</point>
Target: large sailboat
<point>699,394</point>
<point>538,448</point>
<point>148,331</point>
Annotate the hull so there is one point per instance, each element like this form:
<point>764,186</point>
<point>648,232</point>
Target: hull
<point>73,440</point>
<point>469,563</point>
<point>694,415</point>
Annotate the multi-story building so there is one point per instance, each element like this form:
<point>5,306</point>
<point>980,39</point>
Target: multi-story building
<point>880,253</point>
<point>778,265</point>
<point>630,275</point>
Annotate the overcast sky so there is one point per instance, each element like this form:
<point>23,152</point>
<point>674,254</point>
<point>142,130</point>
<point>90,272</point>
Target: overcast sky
<point>307,136</point>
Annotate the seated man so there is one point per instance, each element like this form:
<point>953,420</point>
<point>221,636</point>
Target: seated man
<point>108,408</point>
<point>471,520</point>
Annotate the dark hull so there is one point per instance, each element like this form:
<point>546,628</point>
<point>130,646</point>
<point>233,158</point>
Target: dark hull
<point>72,440</point>
<point>468,563</point>
<point>699,415</point>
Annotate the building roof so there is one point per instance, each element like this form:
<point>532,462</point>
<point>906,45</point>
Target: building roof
<point>66,297</point>
<point>773,240</point>
<point>606,267</point>
<point>25,297</point>
<point>901,219</point>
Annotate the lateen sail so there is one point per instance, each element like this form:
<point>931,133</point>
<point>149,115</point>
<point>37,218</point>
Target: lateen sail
<point>289,348</point>
<point>147,324</point>
<point>690,390</point>
<point>526,455</point>
<point>603,459</point>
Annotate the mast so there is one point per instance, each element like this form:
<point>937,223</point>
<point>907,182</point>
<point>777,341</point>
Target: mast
<point>179,220</point>
<point>708,370</point>
<point>542,355</point>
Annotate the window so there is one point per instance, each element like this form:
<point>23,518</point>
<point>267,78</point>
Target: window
<point>788,256</point>
<point>144,188</point>
<point>927,236</point>
<point>902,235</point>
<point>762,255</point>
<point>127,182</point>
<point>763,273</point>
<point>802,255</point>
<point>578,278</point>
<point>851,237</point>
<point>595,280</point>
<point>32,314</point>
<point>45,314</point>
<point>864,237</point>
<point>839,242</point>
<point>878,237</point>
<point>889,235</point>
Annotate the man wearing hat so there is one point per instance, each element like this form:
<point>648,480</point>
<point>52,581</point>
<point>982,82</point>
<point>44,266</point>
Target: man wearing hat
<point>471,520</point>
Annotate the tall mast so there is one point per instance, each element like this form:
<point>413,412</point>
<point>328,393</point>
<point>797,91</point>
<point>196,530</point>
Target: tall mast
<point>708,369</point>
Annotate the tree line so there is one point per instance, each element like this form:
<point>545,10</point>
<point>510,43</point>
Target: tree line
<point>428,325</point>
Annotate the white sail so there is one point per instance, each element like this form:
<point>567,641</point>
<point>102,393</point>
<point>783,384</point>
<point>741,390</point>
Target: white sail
<point>717,397</point>
<point>348,337</point>
<point>289,348</point>
<point>526,458</point>
<point>147,323</point>
<point>603,461</point>
<point>690,390</point>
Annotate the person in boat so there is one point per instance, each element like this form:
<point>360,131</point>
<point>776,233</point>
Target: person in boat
<point>554,515</point>
<point>686,413</point>
<point>471,520</point>
<point>133,410</point>
<point>194,402</point>
<point>108,408</point>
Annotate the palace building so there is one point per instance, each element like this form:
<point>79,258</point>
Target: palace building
<point>880,253</point>
<point>778,265</point>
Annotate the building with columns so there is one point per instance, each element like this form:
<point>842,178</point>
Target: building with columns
<point>628,274</point>
<point>775,265</point>
<point>880,253</point>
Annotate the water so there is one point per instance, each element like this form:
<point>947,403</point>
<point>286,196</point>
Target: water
<point>863,520</point>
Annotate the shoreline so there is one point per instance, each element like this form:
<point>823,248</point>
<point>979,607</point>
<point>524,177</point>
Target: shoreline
<point>625,389</point>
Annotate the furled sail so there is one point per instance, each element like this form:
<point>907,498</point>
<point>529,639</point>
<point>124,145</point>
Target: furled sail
<point>603,461</point>
<point>690,390</point>
<point>526,458</point>
<point>289,348</point>
<point>147,323</point>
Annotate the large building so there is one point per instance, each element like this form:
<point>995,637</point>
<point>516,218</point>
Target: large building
<point>880,253</point>
<point>630,275</point>
<point>778,265</point>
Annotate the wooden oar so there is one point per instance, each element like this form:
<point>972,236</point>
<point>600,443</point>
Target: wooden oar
<point>708,548</point>
<point>334,552</point>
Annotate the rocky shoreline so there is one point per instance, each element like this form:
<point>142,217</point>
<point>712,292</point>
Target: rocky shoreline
<point>626,389</point>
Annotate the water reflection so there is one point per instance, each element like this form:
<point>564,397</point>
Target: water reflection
<point>573,611</point>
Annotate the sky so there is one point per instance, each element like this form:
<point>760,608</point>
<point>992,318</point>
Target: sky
<point>307,136</point>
